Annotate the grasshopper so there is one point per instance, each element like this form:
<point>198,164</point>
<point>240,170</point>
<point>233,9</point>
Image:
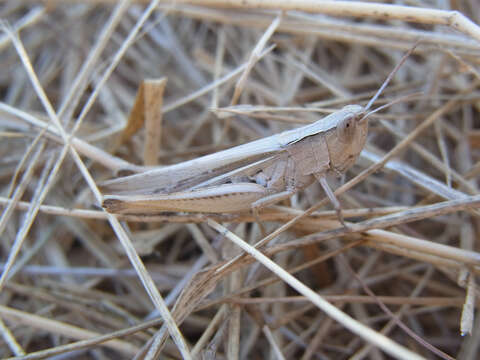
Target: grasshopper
<point>253,175</point>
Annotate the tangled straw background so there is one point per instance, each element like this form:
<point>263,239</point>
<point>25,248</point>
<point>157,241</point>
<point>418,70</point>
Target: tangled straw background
<point>95,89</point>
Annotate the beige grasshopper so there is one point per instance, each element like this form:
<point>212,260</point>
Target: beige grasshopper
<point>253,175</point>
<point>249,176</point>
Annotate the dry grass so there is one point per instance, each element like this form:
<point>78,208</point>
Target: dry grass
<point>75,110</point>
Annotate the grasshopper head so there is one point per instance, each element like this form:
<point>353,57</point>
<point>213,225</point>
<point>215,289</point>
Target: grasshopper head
<point>348,139</point>
<point>349,126</point>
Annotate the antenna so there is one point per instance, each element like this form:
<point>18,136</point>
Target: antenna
<point>391,75</point>
<point>396,101</point>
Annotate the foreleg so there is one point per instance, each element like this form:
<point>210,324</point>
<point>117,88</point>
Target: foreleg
<point>331,196</point>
